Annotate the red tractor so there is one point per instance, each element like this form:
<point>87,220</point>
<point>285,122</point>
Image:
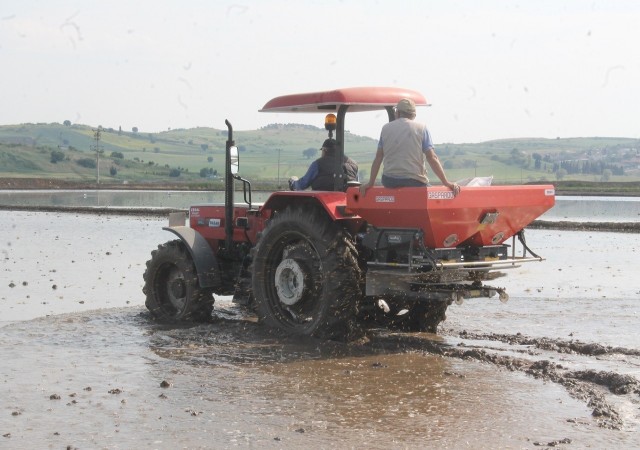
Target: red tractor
<point>319,262</point>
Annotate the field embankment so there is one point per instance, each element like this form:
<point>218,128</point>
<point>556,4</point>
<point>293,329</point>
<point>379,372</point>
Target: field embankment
<point>586,188</point>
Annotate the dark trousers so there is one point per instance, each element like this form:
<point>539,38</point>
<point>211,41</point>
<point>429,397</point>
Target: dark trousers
<point>392,182</point>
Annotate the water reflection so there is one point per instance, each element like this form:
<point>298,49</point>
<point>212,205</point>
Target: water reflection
<point>112,198</point>
<point>595,209</point>
<point>388,389</point>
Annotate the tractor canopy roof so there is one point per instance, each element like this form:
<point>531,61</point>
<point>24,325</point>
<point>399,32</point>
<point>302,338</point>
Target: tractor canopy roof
<point>356,98</point>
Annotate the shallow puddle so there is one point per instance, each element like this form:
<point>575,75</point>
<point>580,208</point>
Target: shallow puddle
<point>97,379</point>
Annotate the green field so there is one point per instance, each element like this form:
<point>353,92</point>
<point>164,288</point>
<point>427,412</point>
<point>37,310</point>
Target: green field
<point>275,153</point>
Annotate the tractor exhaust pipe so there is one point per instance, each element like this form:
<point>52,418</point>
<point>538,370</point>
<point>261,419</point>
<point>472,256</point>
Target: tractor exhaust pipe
<point>228,188</point>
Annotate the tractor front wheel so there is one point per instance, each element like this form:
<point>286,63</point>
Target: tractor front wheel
<point>171,286</point>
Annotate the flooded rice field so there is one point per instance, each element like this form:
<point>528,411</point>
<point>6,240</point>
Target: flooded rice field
<point>567,208</point>
<point>84,366</point>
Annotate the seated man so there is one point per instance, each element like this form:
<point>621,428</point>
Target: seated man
<point>403,147</point>
<point>320,173</point>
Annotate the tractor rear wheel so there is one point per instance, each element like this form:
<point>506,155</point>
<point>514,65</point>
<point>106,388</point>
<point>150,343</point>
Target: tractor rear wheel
<point>305,275</point>
<point>171,286</point>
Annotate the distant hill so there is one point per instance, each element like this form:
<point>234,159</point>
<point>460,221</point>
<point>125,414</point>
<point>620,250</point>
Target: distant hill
<point>278,151</point>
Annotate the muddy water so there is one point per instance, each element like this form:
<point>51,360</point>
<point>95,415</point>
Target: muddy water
<point>84,366</point>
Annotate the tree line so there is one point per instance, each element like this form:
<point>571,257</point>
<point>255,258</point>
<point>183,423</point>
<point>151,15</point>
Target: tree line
<point>587,167</point>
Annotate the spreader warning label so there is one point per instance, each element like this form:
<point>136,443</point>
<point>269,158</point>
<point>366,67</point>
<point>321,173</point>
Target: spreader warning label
<point>385,199</point>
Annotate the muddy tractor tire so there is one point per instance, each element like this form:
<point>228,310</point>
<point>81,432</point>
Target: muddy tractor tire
<point>171,286</point>
<point>418,316</point>
<point>305,276</point>
<point>423,316</point>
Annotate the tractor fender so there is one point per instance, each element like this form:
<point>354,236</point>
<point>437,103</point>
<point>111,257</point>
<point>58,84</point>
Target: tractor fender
<point>201,253</point>
<point>331,202</point>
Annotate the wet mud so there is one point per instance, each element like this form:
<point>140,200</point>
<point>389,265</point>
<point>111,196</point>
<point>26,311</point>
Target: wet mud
<point>85,366</point>
<point>586,385</point>
<point>114,378</point>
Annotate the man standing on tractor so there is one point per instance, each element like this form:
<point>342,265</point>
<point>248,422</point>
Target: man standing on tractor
<point>404,144</point>
<point>320,173</point>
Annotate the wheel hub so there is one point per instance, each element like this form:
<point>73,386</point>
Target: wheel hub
<point>177,288</point>
<point>289,281</point>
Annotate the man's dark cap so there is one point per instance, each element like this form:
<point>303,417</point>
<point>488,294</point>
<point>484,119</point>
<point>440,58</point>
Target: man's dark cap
<point>329,145</point>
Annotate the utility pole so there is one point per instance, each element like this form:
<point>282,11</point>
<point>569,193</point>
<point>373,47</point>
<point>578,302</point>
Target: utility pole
<point>97,148</point>
<point>279,168</point>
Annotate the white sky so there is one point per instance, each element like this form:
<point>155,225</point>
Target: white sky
<point>491,69</point>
